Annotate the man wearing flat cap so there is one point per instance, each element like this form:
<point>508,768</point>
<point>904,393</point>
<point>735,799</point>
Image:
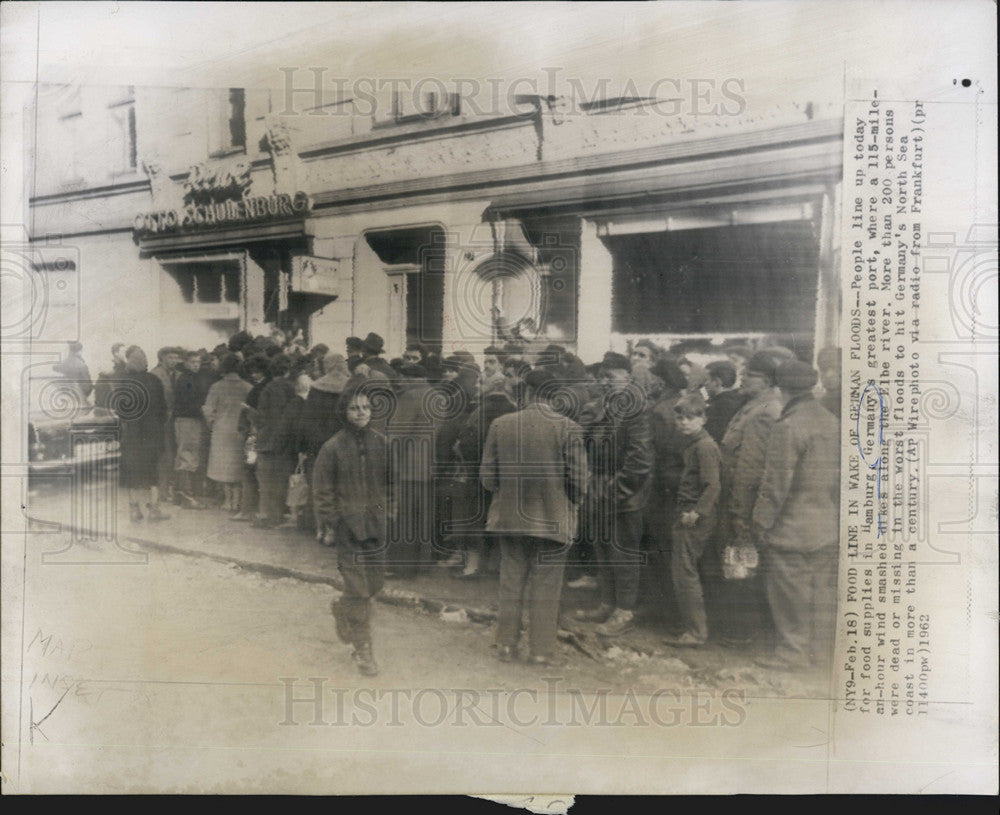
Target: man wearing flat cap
<point>743,448</point>
<point>796,519</point>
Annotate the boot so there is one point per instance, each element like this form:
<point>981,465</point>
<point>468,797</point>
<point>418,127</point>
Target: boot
<point>365,659</point>
<point>154,513</point>
<point>619,622</point>
<point>594,615</point>
<point>135,513</point>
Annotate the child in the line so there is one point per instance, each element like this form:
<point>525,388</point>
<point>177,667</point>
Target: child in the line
<point>697,499</point>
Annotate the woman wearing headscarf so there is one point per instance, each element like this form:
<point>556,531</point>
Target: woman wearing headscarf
<point>137,399</point>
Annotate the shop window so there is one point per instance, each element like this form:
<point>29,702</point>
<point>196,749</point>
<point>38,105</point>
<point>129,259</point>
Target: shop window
<point>721,280</point>
<point>413,106</point>
<point>205,283</point>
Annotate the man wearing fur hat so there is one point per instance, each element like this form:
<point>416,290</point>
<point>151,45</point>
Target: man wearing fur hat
<point>795,519</point>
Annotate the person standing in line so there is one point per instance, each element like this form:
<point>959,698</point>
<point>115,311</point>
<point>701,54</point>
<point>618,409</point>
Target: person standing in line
<point>658,516</point>
<point>274,458</point>
<point>354,347</point>
<point>795,519</point>
<point>221,410</point>
<point>410,431</point>
<point>188,429</point>
<point>350,488</point>
<point>254,371</point>
<point>724,399</point>
<point>372,351</point>
<point>74,369</point>
<point>535,465</point>
<point>106,379</point>
<point>137,399</point>
<point>743,448</point>
<point>620,452</point>
<point>828,362</point>
<point>166,371</point>
<point>697,499</point>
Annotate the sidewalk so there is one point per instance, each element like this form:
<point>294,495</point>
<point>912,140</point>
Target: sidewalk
<point>212,534</point>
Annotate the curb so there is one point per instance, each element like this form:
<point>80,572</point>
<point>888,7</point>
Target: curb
<point>400,598</point>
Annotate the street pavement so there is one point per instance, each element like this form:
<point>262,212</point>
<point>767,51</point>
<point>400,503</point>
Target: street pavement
<point>290,553</point>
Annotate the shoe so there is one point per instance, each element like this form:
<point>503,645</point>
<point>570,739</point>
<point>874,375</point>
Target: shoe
<point>185,501</point>
<point>734,642</point>
<point>594,615</point>
<point>154,513</point>
<point>135,513</point>
<point>584,581</point>
<point>469,573</point>
<point>345,631</point>
<point>505,653</point>
<point>362,655</point>
<point>240,516</point>
<point>619,622</point>
<point>551,661</point>
<point>454,560</point>
<point>685,640</point>
<point>777,663</point>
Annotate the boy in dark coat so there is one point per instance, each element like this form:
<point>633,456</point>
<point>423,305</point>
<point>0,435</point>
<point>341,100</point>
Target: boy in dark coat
<point>350,491</point>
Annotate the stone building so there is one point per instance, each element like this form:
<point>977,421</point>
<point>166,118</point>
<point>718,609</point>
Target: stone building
<point>194,213</point>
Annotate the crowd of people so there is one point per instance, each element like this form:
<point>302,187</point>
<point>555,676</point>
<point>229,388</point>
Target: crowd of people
<point>700,500</point>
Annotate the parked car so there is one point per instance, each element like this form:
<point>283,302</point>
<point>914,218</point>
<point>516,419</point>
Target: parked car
<point>66,431</point>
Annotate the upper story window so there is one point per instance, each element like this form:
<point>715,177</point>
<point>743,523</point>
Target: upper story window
<point>227,124</point>
<point>121,137</point>
<point>69,142</point>
<point>413,107</point>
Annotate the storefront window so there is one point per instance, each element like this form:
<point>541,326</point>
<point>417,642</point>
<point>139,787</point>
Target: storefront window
<point>669,282</point>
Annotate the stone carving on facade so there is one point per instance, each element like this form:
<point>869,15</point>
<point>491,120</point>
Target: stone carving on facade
<point>285,162</point>
<point>209,183</point>
<point>166,193</point>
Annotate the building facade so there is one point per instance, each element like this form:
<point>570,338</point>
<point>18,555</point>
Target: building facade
<point>195,213</point>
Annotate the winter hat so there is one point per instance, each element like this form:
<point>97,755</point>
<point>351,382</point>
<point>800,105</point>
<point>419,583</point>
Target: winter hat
<point>796,376</point>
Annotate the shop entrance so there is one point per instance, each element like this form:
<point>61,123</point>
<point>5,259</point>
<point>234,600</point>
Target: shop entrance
<point>413,259</point>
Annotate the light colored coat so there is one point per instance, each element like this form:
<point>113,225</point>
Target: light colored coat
<point>535,464</point>
<point>222,413</point>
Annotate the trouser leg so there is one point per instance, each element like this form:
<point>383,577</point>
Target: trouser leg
<point>788,582</point>
<point>688,543</point>
<point>513,576</point>
<point>824,605</point>
<point>361,565</point>
<point>250,497</point>
<point>627,567</point>
<point>546,566</point>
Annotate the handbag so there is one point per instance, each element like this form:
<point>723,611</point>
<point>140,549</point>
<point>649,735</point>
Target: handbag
<point>298,487</point>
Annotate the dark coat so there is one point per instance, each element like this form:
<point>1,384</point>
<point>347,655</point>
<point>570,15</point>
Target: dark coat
<point>720,410</point>
<point>668,450</point>
<point>535,465</point>
<point>106,382</point>
<point>271,422</point>
<point>138,400</point>
<point>743,449</point>
<point>349,483</point>
<point>797,506</point>
<point>320,417</point>
<point>620,452</point>
<point>189,395</point>
<point>412,429</point>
